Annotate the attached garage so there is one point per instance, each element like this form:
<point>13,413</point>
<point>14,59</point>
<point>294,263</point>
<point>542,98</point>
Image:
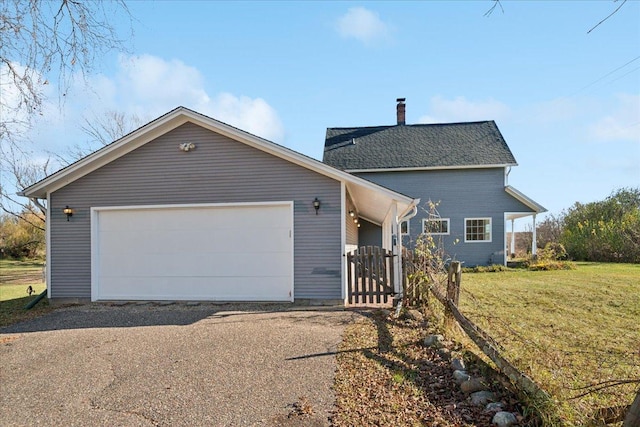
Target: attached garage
<point>189,208</point>
<point>228,252</point>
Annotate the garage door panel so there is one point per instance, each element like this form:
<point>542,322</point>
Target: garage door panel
<point>193,241</point>
<point>250,264</point>
<point>198,288</point>
<point>162,253</point>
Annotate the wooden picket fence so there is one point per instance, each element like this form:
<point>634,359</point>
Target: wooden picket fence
<point>370,275</point>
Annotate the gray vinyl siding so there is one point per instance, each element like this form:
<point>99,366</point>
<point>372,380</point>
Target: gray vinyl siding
<point>462,193</point>
<point>351,227</point>
<point>370,234</point>
<point>219,170</point>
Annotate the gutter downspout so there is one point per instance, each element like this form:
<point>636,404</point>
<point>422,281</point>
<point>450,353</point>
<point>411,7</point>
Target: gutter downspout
<point>409,213</point>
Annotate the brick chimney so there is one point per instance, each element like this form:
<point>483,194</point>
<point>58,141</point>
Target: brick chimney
<point>400,110</point>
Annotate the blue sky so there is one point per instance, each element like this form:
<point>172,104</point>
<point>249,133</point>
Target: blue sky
<point>567,102</point>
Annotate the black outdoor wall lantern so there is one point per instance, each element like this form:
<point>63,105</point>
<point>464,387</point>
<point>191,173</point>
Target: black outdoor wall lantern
<point>68,212</point>
<point>316,205</point>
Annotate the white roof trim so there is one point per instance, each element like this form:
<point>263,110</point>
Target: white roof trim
<point>535,207</point>
<point>176,118</point>
<point>431,168</point>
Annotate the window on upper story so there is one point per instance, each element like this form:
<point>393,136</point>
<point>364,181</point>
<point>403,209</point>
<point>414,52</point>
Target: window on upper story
<point>435,226</point>
<point>477,229</point>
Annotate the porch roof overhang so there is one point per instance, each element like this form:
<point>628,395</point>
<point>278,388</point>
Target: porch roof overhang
<point>372,201</point>
<point>535,207</point>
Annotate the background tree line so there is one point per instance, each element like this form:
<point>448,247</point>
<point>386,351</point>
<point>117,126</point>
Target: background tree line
<point>606,230</point>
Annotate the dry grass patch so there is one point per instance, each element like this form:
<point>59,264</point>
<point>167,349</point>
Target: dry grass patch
<point>386,377</point>
<point>566,329</point>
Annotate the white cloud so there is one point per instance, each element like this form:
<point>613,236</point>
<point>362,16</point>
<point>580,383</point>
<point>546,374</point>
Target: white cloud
<point>148,86</point>
<point>460,109</point>
<point>255,116</point>
<point>363,25</point>
<point>19,112</point>
<point>160,84</point>
<point>623,122</point>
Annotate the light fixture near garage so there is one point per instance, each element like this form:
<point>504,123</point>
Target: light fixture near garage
<point>352,214</point>
<point>316,205</point>
<point>68,212</point>
<point>187,146</point>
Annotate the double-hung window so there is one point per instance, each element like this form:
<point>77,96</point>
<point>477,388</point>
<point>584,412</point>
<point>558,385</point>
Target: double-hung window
<point>435,226</point>
<point>477,229</point>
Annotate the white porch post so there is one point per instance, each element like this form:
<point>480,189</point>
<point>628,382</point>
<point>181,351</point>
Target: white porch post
<point>534,239</point>
<point>513,239</point>
<point>396,248</point>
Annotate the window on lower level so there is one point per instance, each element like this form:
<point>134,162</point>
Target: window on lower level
<point>404,228</point>
<point>435,226</point>
<point>477,229</point>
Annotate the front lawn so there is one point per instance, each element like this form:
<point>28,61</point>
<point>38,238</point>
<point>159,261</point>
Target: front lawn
<point>15,277</point>
<point>569,330</point>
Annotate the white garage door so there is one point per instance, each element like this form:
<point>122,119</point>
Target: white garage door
<point>220,253</point>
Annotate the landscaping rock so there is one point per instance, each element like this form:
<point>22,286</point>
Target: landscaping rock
<point>417,315</point>
<point>461,376</point>
<point>473,385</point>
<point>481,398</point>
<point>457,364</point>
<point>434,341</point>
<point>504,419</point>
<point>494,407</point>
<point>444,353</point>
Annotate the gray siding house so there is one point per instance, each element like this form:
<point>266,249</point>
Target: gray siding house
<point>190,208</point>
<point>462,168</point>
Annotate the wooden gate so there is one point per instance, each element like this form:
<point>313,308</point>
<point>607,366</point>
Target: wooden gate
<point>370,275</point>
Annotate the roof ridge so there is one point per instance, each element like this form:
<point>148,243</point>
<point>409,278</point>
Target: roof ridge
<point>414,125</point>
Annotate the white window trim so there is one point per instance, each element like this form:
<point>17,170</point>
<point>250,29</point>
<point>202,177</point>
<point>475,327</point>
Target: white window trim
<point>408,232</point>
<point>490,229</point>
<point>425,220</point>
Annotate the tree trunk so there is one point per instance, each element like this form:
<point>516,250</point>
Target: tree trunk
<point>633,416</point>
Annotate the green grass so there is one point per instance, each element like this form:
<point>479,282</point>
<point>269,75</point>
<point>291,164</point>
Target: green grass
<point>15,277</point>
<point>567,329</point>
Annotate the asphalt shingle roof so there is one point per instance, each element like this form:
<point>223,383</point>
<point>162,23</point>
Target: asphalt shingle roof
<point>417,146</point>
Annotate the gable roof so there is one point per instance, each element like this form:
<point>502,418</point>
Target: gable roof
<point>372,200</point>
<point>421,146</point>
<point>527,201</point>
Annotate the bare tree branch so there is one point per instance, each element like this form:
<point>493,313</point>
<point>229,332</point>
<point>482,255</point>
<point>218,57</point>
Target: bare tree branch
<point>602,386</point>
<point>496,3</point>
<point>46,40</point>
<point>610,15</point>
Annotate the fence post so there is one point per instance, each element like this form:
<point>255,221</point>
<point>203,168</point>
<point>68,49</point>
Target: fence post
<point>453,292</point>
<point>633,416</point>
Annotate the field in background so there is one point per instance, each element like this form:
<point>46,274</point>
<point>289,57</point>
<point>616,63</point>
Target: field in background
<point>15,277</point>
<point>569,330</point>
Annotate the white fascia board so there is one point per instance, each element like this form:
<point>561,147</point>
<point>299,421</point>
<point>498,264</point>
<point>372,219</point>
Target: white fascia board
<point>432,168</point>
<point>535,207</point>
<point>105,155</point>
<point>171,121</point>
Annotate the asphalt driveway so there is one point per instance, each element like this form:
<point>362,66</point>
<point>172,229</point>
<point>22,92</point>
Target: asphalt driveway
<point>148,365</point>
